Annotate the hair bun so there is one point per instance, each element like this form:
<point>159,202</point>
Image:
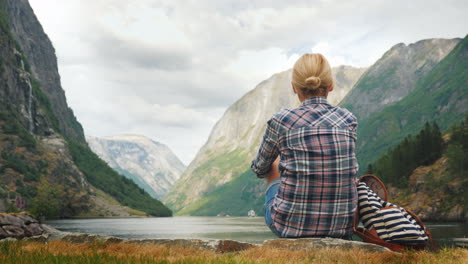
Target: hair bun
<point>313,82</point>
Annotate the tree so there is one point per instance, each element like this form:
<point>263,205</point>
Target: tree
<point>457,150</point>
<point>398,163</point>
<point>48,201</point>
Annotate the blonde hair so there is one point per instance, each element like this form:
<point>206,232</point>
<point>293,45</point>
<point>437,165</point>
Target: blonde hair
<point>312,75</point>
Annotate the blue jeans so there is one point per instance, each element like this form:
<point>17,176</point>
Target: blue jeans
<point>271,192</point>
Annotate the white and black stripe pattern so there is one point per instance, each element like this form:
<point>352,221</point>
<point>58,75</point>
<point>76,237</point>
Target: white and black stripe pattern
<point>392,222</point>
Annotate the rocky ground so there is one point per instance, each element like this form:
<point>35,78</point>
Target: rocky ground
<point>19,226</point>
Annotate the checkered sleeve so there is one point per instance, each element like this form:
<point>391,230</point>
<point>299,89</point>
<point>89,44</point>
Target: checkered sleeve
<point>353,127</point>
<point>353,123</point>
<point>268,151</point>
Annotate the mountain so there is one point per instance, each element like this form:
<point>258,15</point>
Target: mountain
<point>150,164</point>
<point>395,75</point>
<point>219,180</point>
<point>39,53</point>
<point>46,166</point>
<point>439,95</point>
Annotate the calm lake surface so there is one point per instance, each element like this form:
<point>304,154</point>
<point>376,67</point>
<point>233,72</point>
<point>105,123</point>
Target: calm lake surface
<point>236,228</point>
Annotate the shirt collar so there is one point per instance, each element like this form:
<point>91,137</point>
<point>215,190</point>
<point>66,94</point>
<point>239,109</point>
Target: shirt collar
<point>315,100</point>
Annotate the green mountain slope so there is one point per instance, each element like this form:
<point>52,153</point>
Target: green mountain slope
<point>137,180</point>
<point>233,198</point>
<point>441,96</point>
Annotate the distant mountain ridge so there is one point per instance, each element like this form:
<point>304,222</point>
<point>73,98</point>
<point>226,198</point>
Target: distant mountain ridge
<point>395,75</point>
<point>226,156</point>
<point>152,165</point>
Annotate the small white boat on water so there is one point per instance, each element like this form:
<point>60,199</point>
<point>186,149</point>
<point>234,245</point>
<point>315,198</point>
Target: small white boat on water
<point>251,213</point>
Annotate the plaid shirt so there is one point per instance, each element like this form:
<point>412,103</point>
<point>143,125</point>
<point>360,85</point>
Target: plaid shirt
<point>317,195</point>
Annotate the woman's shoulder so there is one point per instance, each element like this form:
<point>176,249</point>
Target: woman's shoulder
<point>287,116</point>
<point>294,117</point>
<point>346,112</point>
<point>282,113</point>
<point>346,117</point>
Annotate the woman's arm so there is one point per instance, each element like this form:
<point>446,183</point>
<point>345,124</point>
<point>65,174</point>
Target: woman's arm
<point>268,151</point>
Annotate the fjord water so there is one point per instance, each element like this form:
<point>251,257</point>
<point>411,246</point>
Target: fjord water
<point>244,229</point>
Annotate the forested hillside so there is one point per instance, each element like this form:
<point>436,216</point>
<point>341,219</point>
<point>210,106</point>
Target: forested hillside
<point>396,165</point>
<point>428,174</point>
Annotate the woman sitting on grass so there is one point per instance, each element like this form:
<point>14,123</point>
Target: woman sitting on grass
<point>307,156</point>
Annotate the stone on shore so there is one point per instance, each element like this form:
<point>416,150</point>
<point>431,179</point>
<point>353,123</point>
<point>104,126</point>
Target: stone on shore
<point>87,238</point>
<point>220,246</point>
<point>319,243</point>
<point>19,226</point>
<point>13,231</point>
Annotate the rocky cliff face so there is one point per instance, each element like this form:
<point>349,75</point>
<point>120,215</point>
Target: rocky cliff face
<point>40,54</point>
<point>432,194</point>
<point>236,136</point>
<point>152,165</point>
<point>25,123</point>
<point>395,75</point>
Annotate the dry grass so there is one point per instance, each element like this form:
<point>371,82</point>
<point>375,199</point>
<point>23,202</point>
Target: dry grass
<point>62,252</point>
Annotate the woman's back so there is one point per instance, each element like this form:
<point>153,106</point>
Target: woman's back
<point>317,195</point>
<point>314,194</point>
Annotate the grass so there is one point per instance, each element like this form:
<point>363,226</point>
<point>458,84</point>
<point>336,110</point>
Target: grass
<point>21,252</point>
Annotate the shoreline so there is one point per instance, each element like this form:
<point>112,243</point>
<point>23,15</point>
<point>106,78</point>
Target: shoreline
<point>55,246</point>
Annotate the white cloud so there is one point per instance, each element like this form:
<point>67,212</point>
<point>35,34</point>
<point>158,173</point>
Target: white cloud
<point>325,49</point>
<point>168,69</point>
<point>252,66</point>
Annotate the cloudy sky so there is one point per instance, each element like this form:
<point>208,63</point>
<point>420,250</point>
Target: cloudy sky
<point>169,69</point>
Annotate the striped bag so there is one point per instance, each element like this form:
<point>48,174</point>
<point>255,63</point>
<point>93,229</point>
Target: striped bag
<point>387,224</point>
<point>392,223</point>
